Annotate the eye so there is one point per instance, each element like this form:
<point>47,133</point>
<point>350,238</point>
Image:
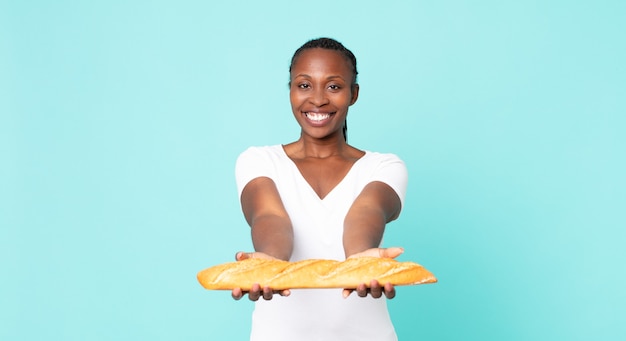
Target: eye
<point>334,87</point>
<point>303,86</point>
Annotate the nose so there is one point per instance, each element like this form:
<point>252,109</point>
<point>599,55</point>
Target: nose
<point>318,97</point>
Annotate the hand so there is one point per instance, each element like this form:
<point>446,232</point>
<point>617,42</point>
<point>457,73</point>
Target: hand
<point>256,291</point>
<point>375,289</point>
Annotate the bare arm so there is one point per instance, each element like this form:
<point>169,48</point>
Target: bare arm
<point>270,225</point>
<point>272,233</point>
<point>365,222</point>
<point>364,226</point>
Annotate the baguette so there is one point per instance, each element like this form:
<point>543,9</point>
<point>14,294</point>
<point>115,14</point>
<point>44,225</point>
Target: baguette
<point>313,273</point>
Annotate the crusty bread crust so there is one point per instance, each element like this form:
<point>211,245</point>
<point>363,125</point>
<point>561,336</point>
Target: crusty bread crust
<point>313,273</point>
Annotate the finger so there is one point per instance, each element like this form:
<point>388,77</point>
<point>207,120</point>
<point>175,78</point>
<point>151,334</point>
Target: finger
<point>375,289</point>
<point>285,293</point>
<point>375,252</point>
<point>255,292</point>
<point>267,293</point>
<point>390,252</point>
<point>390,290</point>
<point>247,255</point>
<point>346,292</point>
<point>241,255</point>
<point>361,290</point>
<point>237,293</point>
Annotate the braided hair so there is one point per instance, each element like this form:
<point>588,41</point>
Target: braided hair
<point>330,44</point>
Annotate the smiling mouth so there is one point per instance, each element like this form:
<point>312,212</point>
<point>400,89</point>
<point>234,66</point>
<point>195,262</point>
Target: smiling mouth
<point>317,117</point>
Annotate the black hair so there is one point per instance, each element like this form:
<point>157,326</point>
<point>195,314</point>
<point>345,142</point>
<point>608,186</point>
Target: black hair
<point>330,44</point>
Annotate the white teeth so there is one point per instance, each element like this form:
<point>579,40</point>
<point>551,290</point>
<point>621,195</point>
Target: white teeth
<point>316,117</point>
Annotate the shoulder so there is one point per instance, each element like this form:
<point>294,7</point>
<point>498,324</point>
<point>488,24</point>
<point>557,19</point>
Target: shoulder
<point>386,167</point>
<point>381,158</point>
<point>258,153</point>
<point>258,161</point>
<point>262,150</point>
<point>262,159</point>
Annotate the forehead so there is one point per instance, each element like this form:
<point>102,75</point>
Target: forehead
<point>322,60</point>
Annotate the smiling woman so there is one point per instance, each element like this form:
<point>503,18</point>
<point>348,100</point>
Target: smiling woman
<point>320,198</point>
<point>337,83</point>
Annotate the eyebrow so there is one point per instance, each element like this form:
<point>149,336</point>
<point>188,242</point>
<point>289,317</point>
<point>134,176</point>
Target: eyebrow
<point>327,78</point>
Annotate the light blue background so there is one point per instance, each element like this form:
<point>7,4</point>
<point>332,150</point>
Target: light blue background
<point>120,123</point>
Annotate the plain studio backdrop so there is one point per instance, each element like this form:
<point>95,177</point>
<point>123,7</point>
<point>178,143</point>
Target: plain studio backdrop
<point>120,123</point>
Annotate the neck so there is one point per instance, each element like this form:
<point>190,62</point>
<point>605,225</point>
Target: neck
<point>316,148</point>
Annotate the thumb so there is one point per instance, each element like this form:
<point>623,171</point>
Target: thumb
<point>390,252</point>
<point>246,255</point>
<point>242,255</point>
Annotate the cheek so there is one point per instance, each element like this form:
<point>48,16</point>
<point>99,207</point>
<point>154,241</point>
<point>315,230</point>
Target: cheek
<point>293,99</point>
<point>343,100</point>
<point>296,102</point>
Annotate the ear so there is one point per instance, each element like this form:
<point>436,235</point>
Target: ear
<point>355,93</point>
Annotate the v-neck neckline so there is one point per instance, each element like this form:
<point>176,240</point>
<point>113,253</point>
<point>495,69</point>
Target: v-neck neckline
<point>308,185</point>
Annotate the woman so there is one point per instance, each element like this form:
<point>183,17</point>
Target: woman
<point>320,198</point>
